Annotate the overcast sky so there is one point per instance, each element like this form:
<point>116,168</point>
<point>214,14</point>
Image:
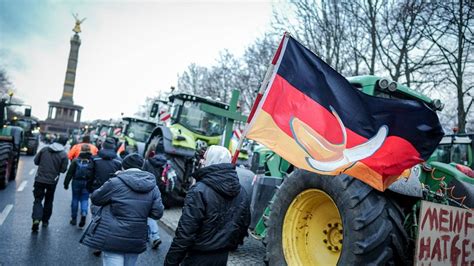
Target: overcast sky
<point>129,50</point>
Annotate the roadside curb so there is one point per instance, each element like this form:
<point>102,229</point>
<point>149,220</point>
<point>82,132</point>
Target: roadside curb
<point>170,219</point>
<point>167,228</point>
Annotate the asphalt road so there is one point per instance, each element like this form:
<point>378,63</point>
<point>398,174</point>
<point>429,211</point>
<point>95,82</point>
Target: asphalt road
<point>57,244</point>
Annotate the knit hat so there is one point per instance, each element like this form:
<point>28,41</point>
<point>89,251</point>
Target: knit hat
<point>86,139</point>
<point>62,139</point>
<point>133,160</point>
<point>109,143</point>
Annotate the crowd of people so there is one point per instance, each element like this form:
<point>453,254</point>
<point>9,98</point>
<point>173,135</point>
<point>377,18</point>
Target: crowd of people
<point>126,202</point>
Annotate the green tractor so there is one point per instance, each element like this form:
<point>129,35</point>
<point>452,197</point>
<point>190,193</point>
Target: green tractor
<point>196,123</point>
<point>135,133</point>
<point>11,139</point>
<point>304,218</point>
<point>456,149</point>
<point>31,138</point>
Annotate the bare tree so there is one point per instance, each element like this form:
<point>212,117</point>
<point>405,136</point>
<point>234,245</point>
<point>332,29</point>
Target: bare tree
<point>319,25</point>
<point>5,83</point>
<point>451,31</point>
<point>403,50</point>
<point>253,67</point>
<point>192,80</point>
<point>366,14</point>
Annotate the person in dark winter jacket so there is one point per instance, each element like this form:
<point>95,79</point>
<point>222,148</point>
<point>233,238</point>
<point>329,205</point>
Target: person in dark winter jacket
<point>119,228</point>
<point>80,170</point>
<point>51,161</point>
<point>106,163</point>
<point>155,166</point>
<point>216,214</point>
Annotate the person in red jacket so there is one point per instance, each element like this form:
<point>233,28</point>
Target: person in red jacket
<point>76,149</point>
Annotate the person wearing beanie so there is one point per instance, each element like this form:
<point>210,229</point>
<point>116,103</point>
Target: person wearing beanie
<point>216,214</point>
<point>51,161</point>
<point>80,170</point>
<point>76,149</point>
<point>121,232</point>
<point>106,163</point>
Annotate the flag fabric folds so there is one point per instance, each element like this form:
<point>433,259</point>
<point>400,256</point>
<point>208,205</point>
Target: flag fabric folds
<point>313,117</point>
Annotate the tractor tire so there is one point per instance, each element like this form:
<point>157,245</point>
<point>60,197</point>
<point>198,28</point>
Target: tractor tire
<point>329,220</point>
<point>5,163</point>
<point>32,150</point>
<point>14,166</point>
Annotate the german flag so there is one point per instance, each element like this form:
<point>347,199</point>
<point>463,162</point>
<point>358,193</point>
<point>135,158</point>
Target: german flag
<point>313,117</point>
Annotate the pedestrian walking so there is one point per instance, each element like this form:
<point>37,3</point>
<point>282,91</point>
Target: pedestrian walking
<point>106,163</point>
<point>215,216</point>
<point>126,200</point>
<point>76,149</point>
<point>155,166</point>
<point>80,170</point>
<point>51,161</point>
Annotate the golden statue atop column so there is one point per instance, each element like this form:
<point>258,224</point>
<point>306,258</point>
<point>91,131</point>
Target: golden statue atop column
<point>77,27</point>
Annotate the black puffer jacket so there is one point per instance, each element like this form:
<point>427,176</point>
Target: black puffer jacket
<point>127,200</point>
<point>216,214</point>
<point>106,163</point>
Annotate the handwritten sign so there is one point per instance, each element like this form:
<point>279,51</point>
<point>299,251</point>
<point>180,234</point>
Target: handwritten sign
<point>445,236</point>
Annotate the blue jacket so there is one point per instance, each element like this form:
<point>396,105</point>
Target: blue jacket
<point>126,202</point>
<point>106,163</point>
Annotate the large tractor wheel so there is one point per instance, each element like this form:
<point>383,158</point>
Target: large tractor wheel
<point>5,163</point>
<point>14,165</point>
<point>32,150</point>
<point>329,220</point>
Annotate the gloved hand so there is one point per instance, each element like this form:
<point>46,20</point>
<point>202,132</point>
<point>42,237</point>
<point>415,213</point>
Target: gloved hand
<point>66,187</point>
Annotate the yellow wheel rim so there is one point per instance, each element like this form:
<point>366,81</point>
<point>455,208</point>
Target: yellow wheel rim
<point>312,230</point>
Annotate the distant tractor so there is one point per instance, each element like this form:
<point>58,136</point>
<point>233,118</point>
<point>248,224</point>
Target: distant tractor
<point>11,139</point>
<point>135,133</point>
<point>31,138</point>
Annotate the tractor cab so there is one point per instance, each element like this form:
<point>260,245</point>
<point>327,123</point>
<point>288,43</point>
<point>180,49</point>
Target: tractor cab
<point>455,149</point>
<point>188,111</point>
<point>30,128</point>
<point>193,123</point>
<point>135,133</point>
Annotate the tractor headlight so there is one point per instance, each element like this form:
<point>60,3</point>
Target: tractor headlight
<point>438,105</point>
<point>383,83</point>
<point>392,86</point>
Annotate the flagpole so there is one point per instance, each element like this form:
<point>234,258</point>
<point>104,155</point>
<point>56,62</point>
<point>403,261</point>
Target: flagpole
<point>259,97</point>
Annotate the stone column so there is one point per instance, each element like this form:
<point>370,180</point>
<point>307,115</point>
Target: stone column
<point>70,79</point>
<point>78,120</point>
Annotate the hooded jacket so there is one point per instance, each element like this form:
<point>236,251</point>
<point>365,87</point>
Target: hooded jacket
<point>155,165</point>
<point>127,200</point>
<point>216,214</point>
<point>51,161</point>
<point>106,163</point>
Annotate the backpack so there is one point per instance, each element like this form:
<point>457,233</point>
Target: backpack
<point>84,169</point>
